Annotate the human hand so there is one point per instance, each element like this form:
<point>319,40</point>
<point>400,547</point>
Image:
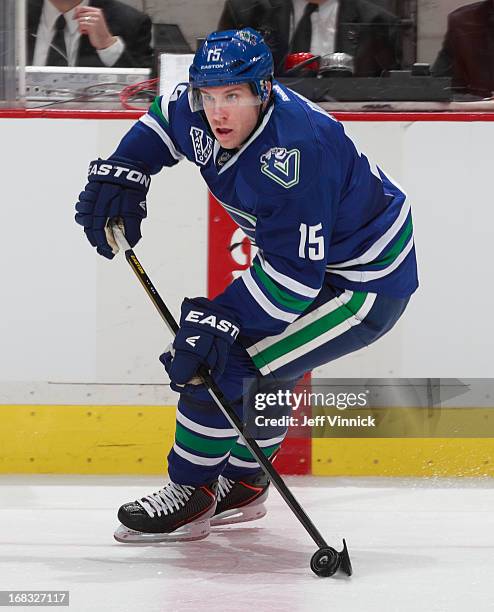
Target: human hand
<point>92,22</point>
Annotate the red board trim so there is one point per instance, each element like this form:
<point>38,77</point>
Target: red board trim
<point>68,114</point>
<point>442,116</point>
<point>341,116</point>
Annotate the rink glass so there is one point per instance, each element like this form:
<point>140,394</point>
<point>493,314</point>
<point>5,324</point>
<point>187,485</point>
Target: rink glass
<point>420,28</point>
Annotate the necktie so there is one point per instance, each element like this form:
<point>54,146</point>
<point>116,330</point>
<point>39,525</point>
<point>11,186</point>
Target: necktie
<point>303,33</point>
<point>57,54</point>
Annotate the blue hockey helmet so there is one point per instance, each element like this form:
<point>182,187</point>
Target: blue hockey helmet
<point>231,57</point>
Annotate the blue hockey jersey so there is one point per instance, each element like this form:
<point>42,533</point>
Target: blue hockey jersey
<point>315,207</point>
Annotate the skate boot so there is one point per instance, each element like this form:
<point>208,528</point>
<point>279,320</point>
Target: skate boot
<point>174,513</point>
<point>242,500</point>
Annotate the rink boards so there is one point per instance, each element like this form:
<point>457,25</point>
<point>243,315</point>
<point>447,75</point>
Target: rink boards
<point>70,318</point>
<point>90,439</point>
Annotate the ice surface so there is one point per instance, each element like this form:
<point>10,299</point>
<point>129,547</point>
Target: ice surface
<point>416,545</point>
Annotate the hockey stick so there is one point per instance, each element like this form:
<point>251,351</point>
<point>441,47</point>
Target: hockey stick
<point>326,560</point>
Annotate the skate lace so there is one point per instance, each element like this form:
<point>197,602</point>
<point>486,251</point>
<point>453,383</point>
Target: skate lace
<point>170,498</point>
<point>224,487</point>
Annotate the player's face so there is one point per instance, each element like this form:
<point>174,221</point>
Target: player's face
<point>232,112</point>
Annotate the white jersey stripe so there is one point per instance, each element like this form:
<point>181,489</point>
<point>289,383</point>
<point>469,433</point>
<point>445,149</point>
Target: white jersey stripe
<point>363,276</point>
<point>380,244</point>
<point>212,432</point>
<point>216,150</point>
<point>304,320</point>
<point>241,463</point>
<point>197,459</point>
<point>334,332</point>
<point>263,301</point>
<point>250,218</point>
<point>156,127</point>
<point>164,108</point>
<point>286,281</point>
<point>264,443</point>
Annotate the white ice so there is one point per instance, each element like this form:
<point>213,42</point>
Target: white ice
<point>416,545</point>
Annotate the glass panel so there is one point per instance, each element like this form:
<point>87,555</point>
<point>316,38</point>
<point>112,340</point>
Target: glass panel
<point>11,54</point>
<point>397,55</point>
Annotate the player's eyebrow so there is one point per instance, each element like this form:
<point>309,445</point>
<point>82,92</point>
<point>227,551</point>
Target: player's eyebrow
<point>227,91</point>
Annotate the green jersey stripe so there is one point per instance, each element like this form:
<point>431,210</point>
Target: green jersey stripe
<point>156,108</point>
<point>333,332</point>
<point>263,302</point>
<point>311,331</point>
<point>370,255</point>
<point>207,446</point>
<point>282,297</point>
<point>211,432</point>
<point>302,322</point>
<point>364,276</point>
<point>286,281</point>
<point>397,247</point>
<point>197,459</point>
<point>244,453</point>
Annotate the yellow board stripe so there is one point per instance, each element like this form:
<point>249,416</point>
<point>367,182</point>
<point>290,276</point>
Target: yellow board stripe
<point>71,439</point>
<point>46,439</point>
<point>430,457</point>
<point>405,422</point>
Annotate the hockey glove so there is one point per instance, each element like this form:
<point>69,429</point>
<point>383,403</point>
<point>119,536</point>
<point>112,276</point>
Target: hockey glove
<point>206,333</point>
<point>116,188</point>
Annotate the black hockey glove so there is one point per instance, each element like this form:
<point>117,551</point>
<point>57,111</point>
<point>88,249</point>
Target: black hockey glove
<point>206,333</point>
<point>116,188</point>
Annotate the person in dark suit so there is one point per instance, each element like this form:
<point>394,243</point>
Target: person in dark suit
<point>94,33</point>
<point>467,54</point>
<point>363,30</point>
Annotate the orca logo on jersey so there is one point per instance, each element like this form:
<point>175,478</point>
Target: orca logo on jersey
<point>196,316</point>
<point>282,166</point>
<point>203,149</point>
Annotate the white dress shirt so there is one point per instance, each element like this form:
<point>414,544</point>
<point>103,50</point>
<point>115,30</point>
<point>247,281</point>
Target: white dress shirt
<point>324,25</point>
<point>46,31</point>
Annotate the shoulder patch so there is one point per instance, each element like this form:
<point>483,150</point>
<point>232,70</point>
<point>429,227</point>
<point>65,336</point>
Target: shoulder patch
<point>282,166</point>
<point>203,145</point>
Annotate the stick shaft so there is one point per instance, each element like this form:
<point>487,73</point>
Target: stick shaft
<point>219,399</point>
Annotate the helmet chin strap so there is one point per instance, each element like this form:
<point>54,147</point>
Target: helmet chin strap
<point>260,117</point>
<point>262,114</point>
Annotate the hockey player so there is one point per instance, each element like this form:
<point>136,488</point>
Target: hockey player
<point>334,270</point>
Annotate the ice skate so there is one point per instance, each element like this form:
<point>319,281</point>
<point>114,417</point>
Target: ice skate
<point>172,514</point>
<point>242,500</point>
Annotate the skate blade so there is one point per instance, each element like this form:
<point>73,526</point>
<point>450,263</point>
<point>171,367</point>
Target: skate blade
<point>239,515</point>
<point>188,533</point>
